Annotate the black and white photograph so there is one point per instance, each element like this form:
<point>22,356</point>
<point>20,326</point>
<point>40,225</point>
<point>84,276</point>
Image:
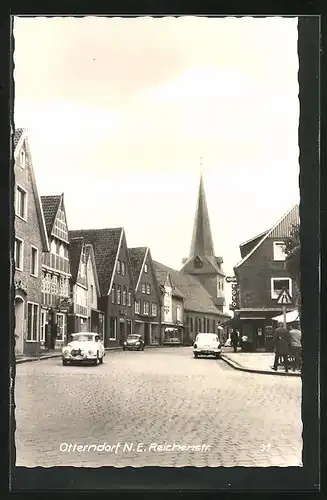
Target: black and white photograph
<point>157,297</point>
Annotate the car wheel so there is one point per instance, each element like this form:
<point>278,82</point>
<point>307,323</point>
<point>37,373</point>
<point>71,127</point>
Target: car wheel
<point>217,356</point>
<point>124,348</point>
<point>101,360</point>
<point>195,354</point>
<point>65,362</point>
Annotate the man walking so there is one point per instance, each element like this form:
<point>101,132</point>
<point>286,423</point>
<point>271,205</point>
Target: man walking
<point>234,339</point>
<point>295,341</point>
<point>282,346</point>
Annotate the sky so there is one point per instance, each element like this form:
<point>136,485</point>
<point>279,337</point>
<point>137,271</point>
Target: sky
<point>119,112</point>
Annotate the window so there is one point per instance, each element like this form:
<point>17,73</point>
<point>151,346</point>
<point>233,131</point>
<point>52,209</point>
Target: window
<point>148,289</point>
<point>143,288</point>
<point>277,285</point>
<point>154,309</point>
<point>178,313</point>
<point>62,250</point>
<point>118,294</point>
<point>278,247</point>
<point>222,284</point>
<point>91,293</point>
<point>44,322</point>
<point>54,285</point>
<point>129,298</point>
<point>123,268</point>
<point>43,283</point>
<point>61,286</point>
<point>113,294</point>
<point>22,159</point>
<point>146,308</point>
<point>19,253</point>
<point>21,202</point>
<point>32,322</point>
<point>53,246</point>
<point>47,283</point>
<point>58,247</point>
<point>113,328</point>
<point>34,261</point>
<point>124,296</point>
<point>191,323</point>
<point>61,327</point>
<point>118,267</point>
<point>137,307</point>
<point>146,268</point>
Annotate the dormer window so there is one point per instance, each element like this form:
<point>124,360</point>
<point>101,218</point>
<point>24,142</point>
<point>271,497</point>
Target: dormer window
<point>118,267</point>
<point>279,250</point>
<point>22,159</point>
<point>146,268</point>
<point>123,268</point>
<point>198,262</point>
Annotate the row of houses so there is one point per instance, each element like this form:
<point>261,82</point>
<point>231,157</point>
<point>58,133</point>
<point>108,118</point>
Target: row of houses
<point>90,280</point>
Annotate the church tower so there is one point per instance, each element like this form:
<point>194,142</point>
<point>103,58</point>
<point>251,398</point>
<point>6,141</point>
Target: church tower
<point>202,261</point>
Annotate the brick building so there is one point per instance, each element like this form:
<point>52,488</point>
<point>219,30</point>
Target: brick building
<point>116,281</point>
<point>30,242</point>
<point>261,275</point>
<point>147,295</point>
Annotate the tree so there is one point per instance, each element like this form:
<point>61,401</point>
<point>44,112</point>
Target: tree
<point>292,262</point>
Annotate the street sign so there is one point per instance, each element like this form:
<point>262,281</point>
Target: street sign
<point>284,298</point>
<point>231,279</point>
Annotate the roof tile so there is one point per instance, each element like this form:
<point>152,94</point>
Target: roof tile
<point>50,205</point>
<point>105,244</point>
<point>17,136</point>
<point>197,297</point>
<point>136,257</point>
<point>75,250</point>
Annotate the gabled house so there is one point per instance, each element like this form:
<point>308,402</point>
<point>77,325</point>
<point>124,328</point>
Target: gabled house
<point>172,310</point>
<point>147,295</point>
<point>261,275</point>
<point>94,314</point>
<point>56,273</point>
<point>30,242</point>
<point>116,281</point>
<point>78,316</point>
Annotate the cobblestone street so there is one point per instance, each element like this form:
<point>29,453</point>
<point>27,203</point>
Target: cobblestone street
<point>161,396</point>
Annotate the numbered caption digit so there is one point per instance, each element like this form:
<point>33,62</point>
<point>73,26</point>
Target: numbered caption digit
<point>265,447</point>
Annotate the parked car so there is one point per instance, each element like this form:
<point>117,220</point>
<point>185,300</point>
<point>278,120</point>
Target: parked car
<point>207,344</point>
<point>84,347</point>
<point>134,341</point>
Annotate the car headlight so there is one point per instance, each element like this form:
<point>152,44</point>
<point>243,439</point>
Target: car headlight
<point>66,350</point>
<point>125,343</point>
<point>195,346</point>
<point>137,343</point>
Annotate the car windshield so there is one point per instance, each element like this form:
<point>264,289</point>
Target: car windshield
<point>82,337</point>
<point>133,337</point>
<point>210,337</point>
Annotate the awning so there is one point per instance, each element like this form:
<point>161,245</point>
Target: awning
<point>290,317</point>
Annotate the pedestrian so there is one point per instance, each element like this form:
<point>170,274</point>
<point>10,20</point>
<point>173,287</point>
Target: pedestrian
<point>282,346</point>
<point>234,339</point>
<point>295,343</point>
<point>245,342</point>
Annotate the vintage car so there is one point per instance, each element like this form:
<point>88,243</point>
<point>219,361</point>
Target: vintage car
<point>207,344</point>
<point>134,341</point>
<point>84,347</point>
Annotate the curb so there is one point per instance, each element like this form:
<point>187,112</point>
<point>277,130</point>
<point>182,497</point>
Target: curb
<point>41,358</point>
<point>236,366</point>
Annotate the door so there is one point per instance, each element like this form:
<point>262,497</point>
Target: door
<point>121,332</point>
<point>146,334</point>
<point>19,325</point>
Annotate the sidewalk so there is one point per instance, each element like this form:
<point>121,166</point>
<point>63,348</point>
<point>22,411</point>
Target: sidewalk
<point>255,362</point>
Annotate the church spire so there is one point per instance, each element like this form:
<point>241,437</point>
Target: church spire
<point>202,244</point>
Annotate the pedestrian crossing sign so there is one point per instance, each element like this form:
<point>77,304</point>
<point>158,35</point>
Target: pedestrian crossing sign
<point>284,298</point>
